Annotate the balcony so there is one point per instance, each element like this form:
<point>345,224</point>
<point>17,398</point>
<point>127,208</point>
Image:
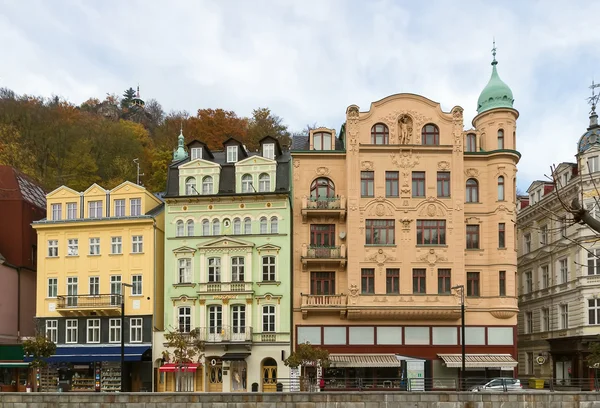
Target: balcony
<point>323,304</point>
<point>324,206</point>
<point>83,304</point>
<point>225,287</point>
<point>224,335</point>
<point>312,254</point>
<point>271,337</point>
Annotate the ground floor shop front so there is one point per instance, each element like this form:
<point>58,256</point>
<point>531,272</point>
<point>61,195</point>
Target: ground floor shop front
<point>14,371</point>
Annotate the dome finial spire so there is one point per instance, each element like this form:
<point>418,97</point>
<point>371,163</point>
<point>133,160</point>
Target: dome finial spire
<point>494,62</point>
<point>593,101</point>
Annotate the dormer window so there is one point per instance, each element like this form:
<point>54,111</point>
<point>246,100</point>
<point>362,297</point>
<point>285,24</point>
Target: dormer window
<point>269,151</point>
<point>322,141</point>
<point>232,154</point>
<point>196,153</point>
<point>471,145</point>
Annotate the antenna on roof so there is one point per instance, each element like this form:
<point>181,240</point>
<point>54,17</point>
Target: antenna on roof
<point>137,162</point>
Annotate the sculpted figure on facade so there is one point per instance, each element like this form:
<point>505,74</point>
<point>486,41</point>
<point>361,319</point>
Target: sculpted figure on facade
<point>404,129</point>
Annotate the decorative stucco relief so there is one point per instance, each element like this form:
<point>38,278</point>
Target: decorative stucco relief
<point>379,207</point>
<point>367,165</point>
<point>471,172</point>
<point>380,257</point>
<point>443,165</point>
<point>432,257</point>
<point>322,171</point>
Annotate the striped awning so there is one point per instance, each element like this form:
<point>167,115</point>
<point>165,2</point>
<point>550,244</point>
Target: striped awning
<point>364,360</point>
<point>479,360</point>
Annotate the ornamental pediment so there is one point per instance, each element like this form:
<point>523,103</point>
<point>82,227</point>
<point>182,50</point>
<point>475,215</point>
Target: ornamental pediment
<point>255,161</point>
<point>380,207</point>
<point>198,163</point>
<point>184,250</point>
<point>431,207</point>
<point>226,242</point>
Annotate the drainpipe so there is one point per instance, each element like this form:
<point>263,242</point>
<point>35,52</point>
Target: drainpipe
<point>154,301</point>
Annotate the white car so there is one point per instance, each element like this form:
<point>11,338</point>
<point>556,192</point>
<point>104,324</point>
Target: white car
<point>500,384</point>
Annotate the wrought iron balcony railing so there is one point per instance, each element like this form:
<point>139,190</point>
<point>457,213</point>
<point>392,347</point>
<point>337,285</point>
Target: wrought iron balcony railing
<point>74,302</point>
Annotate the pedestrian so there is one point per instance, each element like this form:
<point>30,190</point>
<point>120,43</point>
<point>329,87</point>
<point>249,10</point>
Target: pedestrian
<point>322,384</point>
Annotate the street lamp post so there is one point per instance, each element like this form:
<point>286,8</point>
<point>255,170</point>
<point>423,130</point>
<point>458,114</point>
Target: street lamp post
<point>123,285</point>
<point>461,289</point>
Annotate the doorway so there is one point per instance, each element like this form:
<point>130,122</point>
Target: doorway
<point>269,375</point>
<point>215,375</point>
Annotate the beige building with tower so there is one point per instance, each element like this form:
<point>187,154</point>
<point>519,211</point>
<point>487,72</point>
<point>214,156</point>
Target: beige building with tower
<point>390,216</point>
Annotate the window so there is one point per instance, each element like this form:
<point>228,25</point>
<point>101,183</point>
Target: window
<point>444,287</point>
<point>268,267</point>
<point>593,262</point>
<point>545,277</point>
<point>238,318</point>
<point>443,184</point>
<point>52,248</point>
<point>205,228</point>
<point>247,183</point>
<point>367,184</point>
<point>207,185</point>
<point>564,271</point>
<point>528,282</point>
<point>592,163</point>
<point>322,188</point>
<point>119,208</point>
<point>545,319</point>
<point>116,245</point>
<point>136,282</point>
<point>500,139</point>
<point>471,144</point>
<point>93,331</point>
<point>528,322</point>
<point>391,184</point>
<point>322,235</point>
<point>232,154</point>
<point>472,236</point>
<point>72,290</point>
<point>529,363</point>
<point>95,209</point>
<point>472,191</point>
<point>135,328</point>
<point>594,311</point>
<point>94,288</point>
<point>367,281</point>
<point>418,184</point>
<point>322,141</point>
<point>322,283</point>
<point>71,331</point>
<point>52,330</point>
<point>114,330</point>
<point>190,186</point>
<point>215,321</point>
<point>268,312</point>
<point>380,232</point>
<point>135,207</point>
<point>472,283</point>
<point>247,226</point>
<point>501,235</point>
<point>274,225</point>
<point>56,212</point>
<point>527,243</point>
<point>264,183</point>
<point>380,134</point>
<point>52,287</point>
<point>419,279</point>
<point>179,228</point>
<point>214,269</point>
<point>269,151</point>
<point>501,188</point>
<point>502,283</point>
<point>115,290</point>
<point>263,225</point>
<point>392,281</point>
<point>431,232</point>
<point>237,269</point>
<point>430,135</point>
<point>94,246</point>
<point>196,153</point>
<point>544,235</point>
<point>73,247</point>
<point>185,319</point>
<point>190,228</point>
<point>71,211</point>
<point>564,316</point>
<point>237,226</point>
<point>216,227</point>
<point>185,270</point>
<point>137,244</point>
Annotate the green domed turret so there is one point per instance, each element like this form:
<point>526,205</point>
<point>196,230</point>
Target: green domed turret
<point>496,93</point>
<point>180,153</point>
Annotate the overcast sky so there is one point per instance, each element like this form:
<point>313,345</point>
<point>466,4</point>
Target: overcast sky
<point>308,60</point>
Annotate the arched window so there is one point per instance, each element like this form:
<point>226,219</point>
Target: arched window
<point>237,226</point>
<point>264,183</point>
<point>207,185</point>
<point>190,186</point>
<point>501,188</point>
<point>274,225</point>
<point>322,188</point>
<point>205,228</point>
<point>247,183</point>
<point>500,139</point>
<point>471,143</point>
<point>322,141</point>
<point>263,225</point>
<point>216,227</point>
<point>472,191</point>
<point>380,134</point>
<point>247,225</point>
<point>430,135</point>
<point>179,231</point>
<point>190,228</point>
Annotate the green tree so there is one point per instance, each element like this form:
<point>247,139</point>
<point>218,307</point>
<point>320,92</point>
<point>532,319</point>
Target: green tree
<point>39,348</point>
<point>183,349</point>
<point>264,123</point>
<point>128,96</point>
<point>308,355</point>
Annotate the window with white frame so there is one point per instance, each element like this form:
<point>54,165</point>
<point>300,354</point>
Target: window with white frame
<point>71,331</point>
<point>247,183</point>
<point>52,287</point>
<point>563,225</point>
<point>136,282</point>
<point>179,228</point>
<point>237,269</point>
<point>72,290</point>
<point>93,331</point>
<point>544,235</point>
<point>115,290</point>
<point>269,151</point>
<point>190,186</point>
<point>214,269</point>
<point>190,228</point>
<point>274,225</point>
<point>247,225</point>
<point>592,163</point>
<point>268,314</point>
<point>184,319</point>
<point>71,211</point>
<point>216,227</point>
<point>594,311</point>
<point>196,153</point>
<point>545,277</point>
<point>268,268</point>
<point>232,154</point>
<point>564,271</point>
<point>95,209</point>
<point>564,316</point>
<point>205,228</point>
<point>545,319</point>
<point>185,270</point>
<point>135,207</point>
<point>114,330</point>
<point>135,330</point>
<point>116,245</point>
<point>527,243</point>
<point>237,226</point>
<point>137,244</point>
<point>528,282</point>
<point>264,183</point>
<point>528,322</point>
<point>207,185</point>
<point>52,248</point>
<point>56,212</point>
<point>94,246</point>
<point>120,208</point>
<point>72,247</point>
<point>263,225</point>
<point>94,285</point>
<point>593,261</point>
<point>52,330</point>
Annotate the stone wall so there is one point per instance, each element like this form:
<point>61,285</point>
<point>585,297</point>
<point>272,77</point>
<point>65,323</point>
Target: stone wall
<point>303,400</point>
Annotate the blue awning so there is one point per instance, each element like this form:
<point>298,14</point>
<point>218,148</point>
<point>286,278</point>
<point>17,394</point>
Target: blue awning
<point>90,354</point>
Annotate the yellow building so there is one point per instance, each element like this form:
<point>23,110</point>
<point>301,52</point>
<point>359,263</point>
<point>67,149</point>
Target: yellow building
<point>92,247</point>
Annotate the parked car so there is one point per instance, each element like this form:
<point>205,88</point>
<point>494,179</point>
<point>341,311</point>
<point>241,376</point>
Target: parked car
<point>500,384</point>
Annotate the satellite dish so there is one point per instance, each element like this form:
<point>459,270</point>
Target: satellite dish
<point>343,235</point>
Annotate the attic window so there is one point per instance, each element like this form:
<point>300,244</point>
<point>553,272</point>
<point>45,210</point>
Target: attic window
<point>269,151</point>
<point>322,141</point>
<point>232,154</point>
<point>196,153</point>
